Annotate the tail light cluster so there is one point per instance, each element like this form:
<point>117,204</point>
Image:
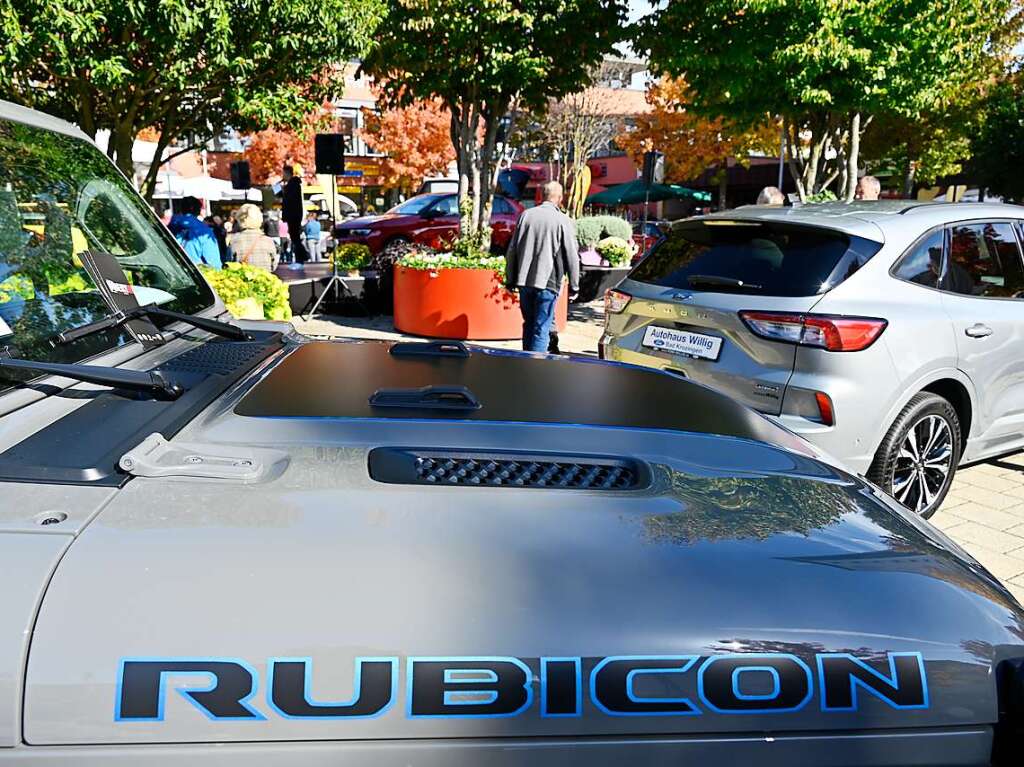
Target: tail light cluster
<point>615,301</point>
<point>823,331</point>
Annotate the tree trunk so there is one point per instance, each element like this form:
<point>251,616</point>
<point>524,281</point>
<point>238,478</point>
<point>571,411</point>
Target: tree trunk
<point>792,149</point>
<point>909,176</point>
<point>122,139</point>
<point>853,158</point>
<point>723,184</point>
<point>148,186</point>
<point>488,168</point>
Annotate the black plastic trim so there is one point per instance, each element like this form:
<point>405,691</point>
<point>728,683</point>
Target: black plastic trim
<point>84,447</point>
<point>469,468</point>
<point>429,349</point>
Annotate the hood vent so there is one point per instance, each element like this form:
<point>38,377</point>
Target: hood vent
<point>217,357</point>
<point>482,469</point>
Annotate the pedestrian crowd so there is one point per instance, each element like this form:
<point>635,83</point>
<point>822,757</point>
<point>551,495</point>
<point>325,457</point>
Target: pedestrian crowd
<point>248,235</point>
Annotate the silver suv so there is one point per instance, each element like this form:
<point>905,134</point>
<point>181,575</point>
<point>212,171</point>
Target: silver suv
<point>890,334</point>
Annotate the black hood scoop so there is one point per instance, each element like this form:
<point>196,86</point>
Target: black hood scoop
<point>407,466</point>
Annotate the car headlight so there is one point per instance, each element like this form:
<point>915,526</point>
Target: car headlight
<point>356,232</point>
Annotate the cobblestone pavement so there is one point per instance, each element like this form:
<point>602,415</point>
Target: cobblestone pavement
<point>984,511</point>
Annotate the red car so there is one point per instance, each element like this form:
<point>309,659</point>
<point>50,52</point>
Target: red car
<point>429,219</point>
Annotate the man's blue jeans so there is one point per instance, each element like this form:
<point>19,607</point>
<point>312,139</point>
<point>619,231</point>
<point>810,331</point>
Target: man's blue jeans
<point>538,307</point>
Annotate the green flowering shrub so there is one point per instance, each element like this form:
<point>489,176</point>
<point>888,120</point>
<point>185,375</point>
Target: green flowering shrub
<point>590,230</point>
<point>616,251</point>
<point>466,252</point>
<point>241,286</point>
<point>433,261</point>
<point>351,255</point>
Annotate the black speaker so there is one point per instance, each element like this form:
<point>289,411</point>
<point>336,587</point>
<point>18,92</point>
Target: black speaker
<point>240,178</point>
<point>654,168</point>
<point>329,149</point>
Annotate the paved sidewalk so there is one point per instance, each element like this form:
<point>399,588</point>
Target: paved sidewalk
<point>984,511</point>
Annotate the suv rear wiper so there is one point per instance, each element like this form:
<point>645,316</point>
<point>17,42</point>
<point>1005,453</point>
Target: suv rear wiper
<point>152,310</point>
<point>713,280</point>
<point>138,380</point>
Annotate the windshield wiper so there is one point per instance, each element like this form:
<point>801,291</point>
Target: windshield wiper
<point>712,280</point>
<point>216,327</point>
<point>138,380</point>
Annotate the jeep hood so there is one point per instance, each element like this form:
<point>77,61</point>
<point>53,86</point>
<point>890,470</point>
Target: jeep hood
<point>345,538</point>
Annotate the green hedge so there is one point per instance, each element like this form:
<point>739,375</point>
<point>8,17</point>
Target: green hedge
<point>590,230</point>
<point>240,286</point>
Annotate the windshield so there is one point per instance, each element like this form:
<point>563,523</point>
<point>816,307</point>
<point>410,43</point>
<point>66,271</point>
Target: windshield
<point>416,205</point>
<point>60,197</point>
<point>759,257</point>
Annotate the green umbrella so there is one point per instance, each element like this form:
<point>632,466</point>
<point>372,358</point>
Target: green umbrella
<point>635,192</point>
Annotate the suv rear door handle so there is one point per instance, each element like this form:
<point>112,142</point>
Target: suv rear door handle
<point>977,330</point>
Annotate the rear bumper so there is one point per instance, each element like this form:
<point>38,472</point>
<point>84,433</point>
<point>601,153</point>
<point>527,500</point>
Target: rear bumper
<point>880,748</point>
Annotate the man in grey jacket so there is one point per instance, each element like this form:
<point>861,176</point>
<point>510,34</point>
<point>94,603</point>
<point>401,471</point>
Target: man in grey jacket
<point>542,252</point>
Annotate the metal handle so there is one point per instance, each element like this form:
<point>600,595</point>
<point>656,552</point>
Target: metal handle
<point>430,349</point>
<point>426,398</point>
<point>977,330</point>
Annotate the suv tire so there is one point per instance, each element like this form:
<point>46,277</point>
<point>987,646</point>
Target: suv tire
<point>917,459</point>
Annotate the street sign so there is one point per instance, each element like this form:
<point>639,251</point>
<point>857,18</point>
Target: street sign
<point>352,173</point>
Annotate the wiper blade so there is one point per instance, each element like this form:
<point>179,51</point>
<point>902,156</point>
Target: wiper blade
<point>714,280</point>
<point>152,310</point>
<point>137,380</point>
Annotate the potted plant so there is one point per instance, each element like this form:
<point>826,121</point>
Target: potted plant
<point>249,292</point>
<point>603,242</point>
<point>616,252</point>
<point>458,292</point>
<point>350,257</point>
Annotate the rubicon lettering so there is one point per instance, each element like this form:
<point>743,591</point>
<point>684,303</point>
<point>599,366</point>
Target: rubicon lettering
<point>226,689</point>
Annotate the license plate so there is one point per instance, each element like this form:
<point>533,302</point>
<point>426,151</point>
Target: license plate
<point>683,342</point>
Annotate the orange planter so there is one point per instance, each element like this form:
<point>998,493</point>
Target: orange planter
<point>468,304</point>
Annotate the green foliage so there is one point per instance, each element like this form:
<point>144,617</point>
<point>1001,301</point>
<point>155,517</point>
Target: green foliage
<point>485,59</point>
<point>464,254</point>
<point>592,229</point>
<point>352,255</point>
<point>185,69</point>
<point>998,145</point>
<point>818,63</point>
<point>616,251</point>
<point>237,283</point>
<point>825,195</point>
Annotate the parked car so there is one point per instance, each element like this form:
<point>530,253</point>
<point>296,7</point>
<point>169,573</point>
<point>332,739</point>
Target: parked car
<point>228,544</point>
<point>887,333</point>
<point>646,236</point>
<point>428,219</point>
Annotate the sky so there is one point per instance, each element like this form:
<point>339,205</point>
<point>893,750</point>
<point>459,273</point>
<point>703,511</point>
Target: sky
<point>638,8</point>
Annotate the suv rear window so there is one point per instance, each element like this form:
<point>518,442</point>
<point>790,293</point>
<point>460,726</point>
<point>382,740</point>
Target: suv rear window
<point>755,257</point>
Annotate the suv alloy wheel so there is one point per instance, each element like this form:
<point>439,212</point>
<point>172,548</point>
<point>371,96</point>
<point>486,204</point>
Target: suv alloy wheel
<point>917,459</point>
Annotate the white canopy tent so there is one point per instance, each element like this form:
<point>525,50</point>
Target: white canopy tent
<point>175,187</point>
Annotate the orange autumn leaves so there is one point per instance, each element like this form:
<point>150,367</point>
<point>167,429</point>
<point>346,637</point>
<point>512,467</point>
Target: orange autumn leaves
<point>416,139</point>
<point>691,142</point>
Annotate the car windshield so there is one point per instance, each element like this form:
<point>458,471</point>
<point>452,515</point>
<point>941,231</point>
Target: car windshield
<point>754,257</point>
<point>416,205</point>
<point>60,197</point>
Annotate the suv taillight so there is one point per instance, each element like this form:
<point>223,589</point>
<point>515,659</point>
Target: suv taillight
<point>615,301</point>
<point>834,333</point>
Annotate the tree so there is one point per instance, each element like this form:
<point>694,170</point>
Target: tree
<point>268,151</point>
<point>487,61</point>
<point>998,145</point>
<point>415,139</point>
<point>825,66</point>
<point>922,150</point>
<point>692,142</point>
<point>186,69</point>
